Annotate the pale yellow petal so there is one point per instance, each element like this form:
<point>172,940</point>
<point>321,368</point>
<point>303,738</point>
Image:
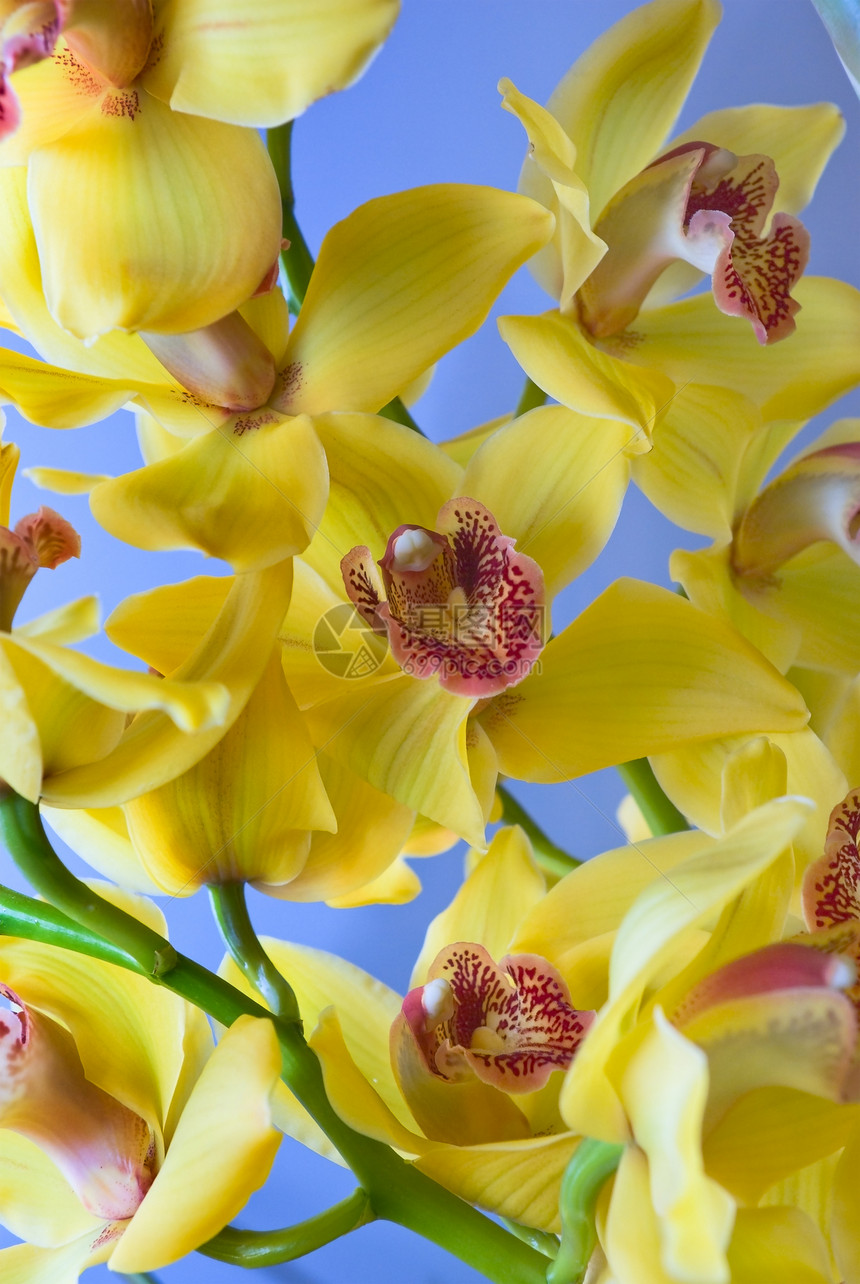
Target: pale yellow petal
<point>517,1179</point>
<point>152,750</point>
<point>799,140</point>
<point>100,837</point>
<point>222,1150</point>
<point>620,99</point>
<point>264,66</point>
<point>638,672</point>
<point>566,513</point>
<point>555,353</point>
<point>504,885</point>
<point>691,473</point>
<point>164,625</point>
<point>62,481</point>
<point>778,1244</point>
<point>396,885</point>
<point>694,341</point>
<point>74,622</point>
<point>145,180</point>
<point>26,1264</point>
<point>243,811</point>
<point>399,282</point>
<point>407,738</point>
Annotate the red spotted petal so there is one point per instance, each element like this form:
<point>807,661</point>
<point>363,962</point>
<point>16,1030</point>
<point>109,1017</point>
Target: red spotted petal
<point>512,1023</point>
<point>363,584</point>
<point>52,539</point>
<point>831,887</point>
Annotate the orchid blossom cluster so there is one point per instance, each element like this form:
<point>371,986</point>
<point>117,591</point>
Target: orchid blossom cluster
<point>640,1068</point>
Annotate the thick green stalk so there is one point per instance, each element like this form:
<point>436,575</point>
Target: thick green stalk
<point>591,1164</point>
<point>661,815</point>
<point>552,858</point>
<point>397,1191</point>
<point>268,1248</point>
<point>231,915</point>
<point>530,397</point>
<point>297,259</point>
<point>24,834</point>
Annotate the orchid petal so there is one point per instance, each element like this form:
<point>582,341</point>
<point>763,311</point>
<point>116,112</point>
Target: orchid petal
<point>38,1203</point>
<point>267,468</point>
<point>407,738</point>
<point>504,885</point>
<point>516,1179</point>
<point>565,518</point>
<point>164,625</point>
<point>620,99</point>
<point>588,707</point>
<point>778,1243</point>
<point>692,341</point>
<point>555,353</point>
<point>222,1150</point>
<point>233,653</point>
<point>263,68</point>
<point>799,141</point>
<point>173,278</point>
<point>351,349</point>
<point>100,837</point>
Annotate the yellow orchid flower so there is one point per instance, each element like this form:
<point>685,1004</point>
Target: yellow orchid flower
<point>582,706</point>
<point>63,712</point>
<point>132,122</point>
<point>724,1079</point>
<point>488,1130</point>
<point>641,219</point>
<point>385,301</point>
<point>125,1138</point>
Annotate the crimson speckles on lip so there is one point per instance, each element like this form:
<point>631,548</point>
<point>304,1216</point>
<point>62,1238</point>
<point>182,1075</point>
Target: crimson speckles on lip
<point>510,1024</point>
<point>458,602</point>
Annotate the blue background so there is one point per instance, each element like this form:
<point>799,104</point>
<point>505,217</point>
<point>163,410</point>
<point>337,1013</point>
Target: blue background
<point>428,111</point>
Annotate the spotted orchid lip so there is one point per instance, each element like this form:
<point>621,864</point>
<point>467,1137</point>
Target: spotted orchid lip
<point>706,206</point>
<point>458,603</point>
<point>42,539</point>
<point>510,1024</point>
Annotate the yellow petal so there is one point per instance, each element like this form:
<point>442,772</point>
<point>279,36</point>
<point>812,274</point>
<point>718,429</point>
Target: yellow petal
<point>152,750</point>
<point>631,1236</point>
<point>371,830</point>
<point>549,176</point>
<point>772,1132</point>
<point>844,1227</point>
<point>9,457</point>
<point>565,515</point>
<point>557,356</point>
<point>646,940</point>
<point>694,341</point>
<point>818,595</point>
<point>252,498</point>
<point>74,622</point>
<point>25,1264</point>
<point>517,1179</point>
<point>504,885</point>
<point>692,677</point>
<point>620,99</point>
<point>665,1087</point>
<point>62,481</point>
<point>59,398</point>
<point>443,253</point>
<point>462,448</point>
<point>100,837</point>
<point>396,885</point>
<point>38,1203</point>
<point>407,738</point>
<point>164,625</point>
<point>692,471</point>
<point>382,476</point>
<point>145,180</point>
<point>799,140</point>
<point>265,67</point>
<point>778,1243</point>
<point>221,1152</point>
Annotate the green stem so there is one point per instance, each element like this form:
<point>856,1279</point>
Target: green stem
<point>24,834</point>
<point>141,1278</point>
<point>231,914</point>
<point>552,858</point>
<point>592,1162</point>
<point>530,397</point>
<point>397,1191</point>
<point>662,816</point>
<point>268,1248</point>
<point>297,259</point>
<point>397,411</point>
<point>544,1241</point>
